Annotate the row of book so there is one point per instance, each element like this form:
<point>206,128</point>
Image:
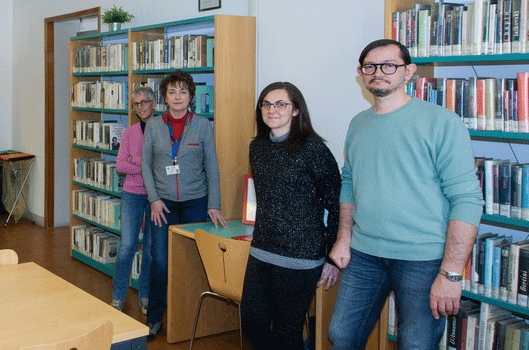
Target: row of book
<point>98,134</point>
<point>186,51</point>
<point>482,103</point>
<point>107,58</point>
<point>477,326</point>
<point>484,326</point>
<point>154,84</point>
<point>505,187</point>
<point>451,29</point>
<point>498,268</point>
<point>98,172</point>
<point>96,243</point>
<point>100,94</point>
<point>97,207</point>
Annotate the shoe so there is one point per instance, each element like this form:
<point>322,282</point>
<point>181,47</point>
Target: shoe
<point>154,329</point>
<point>117,304</point>
<point>143,304</point>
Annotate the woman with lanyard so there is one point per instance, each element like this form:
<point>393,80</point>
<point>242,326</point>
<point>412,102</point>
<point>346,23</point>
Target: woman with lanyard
<point>179,168</point>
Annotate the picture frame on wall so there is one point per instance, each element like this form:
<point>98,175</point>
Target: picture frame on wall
<point>206,5</point>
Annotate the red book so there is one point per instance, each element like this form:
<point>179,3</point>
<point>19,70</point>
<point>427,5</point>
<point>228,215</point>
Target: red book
<point>451,93</point>
<point>523,102</point>
<point>422,87</point>
<point>481,102</point>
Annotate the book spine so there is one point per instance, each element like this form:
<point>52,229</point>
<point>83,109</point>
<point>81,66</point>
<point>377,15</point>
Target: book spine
<point>490,103</point>
<point>525,193</point>
<point>523,102</point>
<point>505,189</point>
<point>523,275</point>
<point>504,272</point>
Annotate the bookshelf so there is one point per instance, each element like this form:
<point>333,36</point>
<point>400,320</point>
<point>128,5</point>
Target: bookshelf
<point>428,67</point>
<point>232,75</point>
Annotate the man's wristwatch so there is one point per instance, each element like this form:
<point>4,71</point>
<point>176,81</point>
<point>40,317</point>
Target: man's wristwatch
<point>452,276</point>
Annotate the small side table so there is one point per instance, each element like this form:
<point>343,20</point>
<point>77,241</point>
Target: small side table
<point>13,160</point>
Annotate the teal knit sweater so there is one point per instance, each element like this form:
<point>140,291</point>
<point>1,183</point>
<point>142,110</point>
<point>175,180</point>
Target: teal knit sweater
<point>408,173</point>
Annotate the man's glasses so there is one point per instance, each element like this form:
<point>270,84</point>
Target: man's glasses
<point>142,103</point>
<point>279,105</point>
<point>386,68</point>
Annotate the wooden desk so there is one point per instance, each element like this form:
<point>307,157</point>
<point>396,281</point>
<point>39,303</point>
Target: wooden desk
<point>187,280</point>
<point>38,307</point>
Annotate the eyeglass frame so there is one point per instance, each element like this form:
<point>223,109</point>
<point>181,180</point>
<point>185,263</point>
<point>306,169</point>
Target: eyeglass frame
<point>275,105</point>
<point>376,65</point>
<point>142,103</point>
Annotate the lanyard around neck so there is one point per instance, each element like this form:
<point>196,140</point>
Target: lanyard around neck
<point>176,143</point>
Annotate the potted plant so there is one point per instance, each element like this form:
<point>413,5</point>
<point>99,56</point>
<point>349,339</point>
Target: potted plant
<point>114,16</point>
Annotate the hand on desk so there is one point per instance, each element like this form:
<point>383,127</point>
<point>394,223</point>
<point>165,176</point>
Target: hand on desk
<point>329,274</point>
<point>216,217</point>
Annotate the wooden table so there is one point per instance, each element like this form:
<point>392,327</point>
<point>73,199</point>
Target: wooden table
<point>187,280</point>
<point>38,307</point>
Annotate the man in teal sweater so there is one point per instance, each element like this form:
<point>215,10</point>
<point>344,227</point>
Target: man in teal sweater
<point>410,205</point>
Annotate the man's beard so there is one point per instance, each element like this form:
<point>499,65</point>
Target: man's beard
<point>380,92</point>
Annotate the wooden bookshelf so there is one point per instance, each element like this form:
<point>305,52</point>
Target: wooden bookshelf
<point>233,76</point>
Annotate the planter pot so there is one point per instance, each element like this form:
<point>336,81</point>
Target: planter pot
<point>114,26</point>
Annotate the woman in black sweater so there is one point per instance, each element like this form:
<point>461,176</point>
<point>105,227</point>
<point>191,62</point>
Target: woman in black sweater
<point>296,179</point>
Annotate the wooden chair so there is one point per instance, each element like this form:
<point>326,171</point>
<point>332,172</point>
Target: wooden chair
<point>99,338</point>
<point>225,261</point>
<point>8,257</point>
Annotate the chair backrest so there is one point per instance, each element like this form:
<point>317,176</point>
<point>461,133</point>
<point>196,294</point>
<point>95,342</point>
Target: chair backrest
<point>225,262</point>
<point>99,338</point>
<point>8,257</point>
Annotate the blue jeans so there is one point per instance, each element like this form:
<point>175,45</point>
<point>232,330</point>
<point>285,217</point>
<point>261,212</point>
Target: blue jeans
<point>194,210</point>
<point>364,286</point>
<point>133,207</point>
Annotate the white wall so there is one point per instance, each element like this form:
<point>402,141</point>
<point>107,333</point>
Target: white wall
<point>6,72</point>
<point>313,44</point>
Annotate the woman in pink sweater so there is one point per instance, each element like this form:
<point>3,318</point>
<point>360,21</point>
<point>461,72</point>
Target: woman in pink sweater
<point>134,204</point>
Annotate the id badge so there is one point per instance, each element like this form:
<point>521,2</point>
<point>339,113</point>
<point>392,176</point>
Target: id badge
<point>172,170</point>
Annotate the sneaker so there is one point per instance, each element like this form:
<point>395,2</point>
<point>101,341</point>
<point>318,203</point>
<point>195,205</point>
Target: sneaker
<point>154,329</point>
<point>143,304</point>
<point>117,304</point>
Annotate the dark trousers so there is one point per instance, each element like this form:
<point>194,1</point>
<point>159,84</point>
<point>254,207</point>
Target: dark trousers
<point>179,213</point>
<point>275,301</point>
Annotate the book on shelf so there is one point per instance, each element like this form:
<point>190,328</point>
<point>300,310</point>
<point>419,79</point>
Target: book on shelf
<point>523,101</point>
<point>454,29</point>
<point>492,257</point>
<point>524,211</point>
<point>513,333</point>
<point>487,312</point>
<point>204,96</point>
<point>523,277</point>
<point>457,325</point>
<point>514,258</point>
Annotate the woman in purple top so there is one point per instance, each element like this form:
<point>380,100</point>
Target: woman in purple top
<point>134,204</point>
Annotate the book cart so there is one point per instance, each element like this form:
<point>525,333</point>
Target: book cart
<point>230,73</point>
<point>429,67</point>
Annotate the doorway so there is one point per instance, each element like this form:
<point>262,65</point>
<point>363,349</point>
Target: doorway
<point>56,133</point>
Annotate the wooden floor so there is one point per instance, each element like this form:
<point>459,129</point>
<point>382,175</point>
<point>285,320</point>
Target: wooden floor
<point>49,248</point>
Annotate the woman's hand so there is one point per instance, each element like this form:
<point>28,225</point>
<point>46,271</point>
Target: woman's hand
<point>329,274</point>
<point>216,217</point>
<point>157,215</point>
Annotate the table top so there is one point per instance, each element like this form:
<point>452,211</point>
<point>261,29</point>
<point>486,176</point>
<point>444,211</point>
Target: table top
<point>235,228</point>
<point>38,307</point>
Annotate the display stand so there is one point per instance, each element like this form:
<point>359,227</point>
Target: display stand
<point>16,168</point>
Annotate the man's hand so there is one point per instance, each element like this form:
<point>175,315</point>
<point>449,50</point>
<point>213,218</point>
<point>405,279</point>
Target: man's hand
<point>445,297</point>
<point>329,274</point>
<point>341,252</point>
<point>157,215</point>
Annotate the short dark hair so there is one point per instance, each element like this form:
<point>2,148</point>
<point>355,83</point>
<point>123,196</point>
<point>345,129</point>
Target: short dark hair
<point>301,126</point>
<point>404,53</point>
<point>178,76</point>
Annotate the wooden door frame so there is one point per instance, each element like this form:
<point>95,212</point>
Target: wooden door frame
<point>49,107</point>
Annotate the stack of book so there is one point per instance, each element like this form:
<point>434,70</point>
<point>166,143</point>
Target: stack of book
<point>98,172</point>
<point>482,103</point>
<point>186,51</point>
<point>454,29</point>
<point>98,134</point>
<point>108,58</point>
<point>99,94</point>
<point>95,243</point>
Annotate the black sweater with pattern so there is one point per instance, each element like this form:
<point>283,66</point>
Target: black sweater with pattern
<point>292,191</point>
